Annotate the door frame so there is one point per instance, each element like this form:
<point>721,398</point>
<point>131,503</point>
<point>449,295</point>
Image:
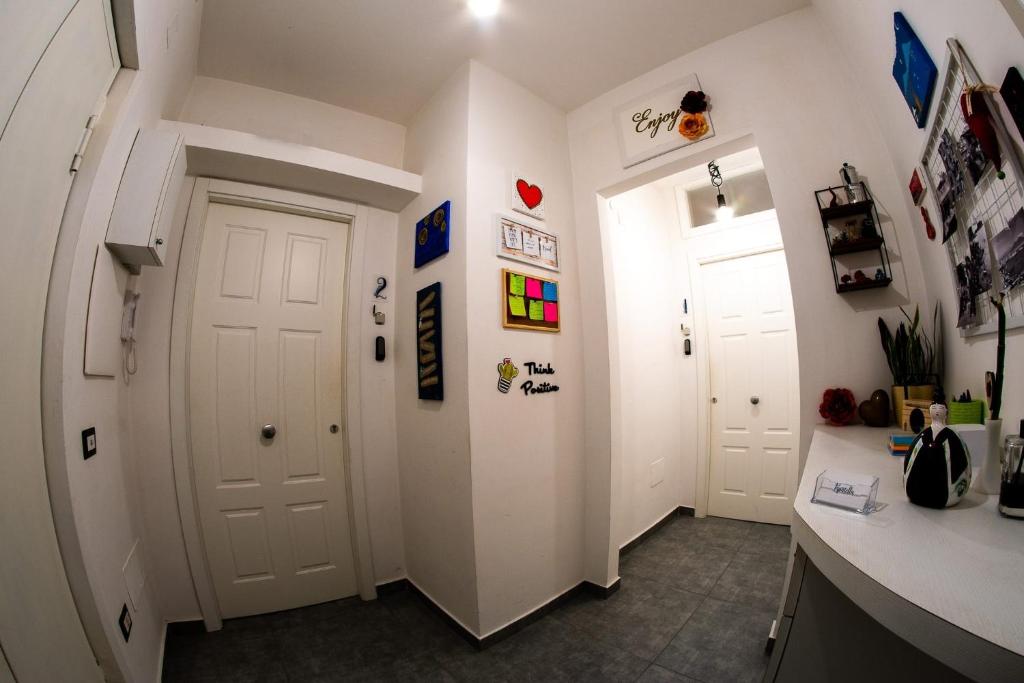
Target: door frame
<point>205,192</point>
<point>704,362</point>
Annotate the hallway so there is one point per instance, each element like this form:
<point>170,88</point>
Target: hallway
<point>697,599</point>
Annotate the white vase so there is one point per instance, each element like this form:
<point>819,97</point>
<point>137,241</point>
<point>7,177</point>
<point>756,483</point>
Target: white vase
<point>989,476</point>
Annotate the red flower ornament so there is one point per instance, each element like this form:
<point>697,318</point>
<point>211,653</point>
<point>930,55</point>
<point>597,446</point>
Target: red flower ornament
<point>838,407</point>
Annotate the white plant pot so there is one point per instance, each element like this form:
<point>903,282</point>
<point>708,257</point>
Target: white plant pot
<point>991,470</point>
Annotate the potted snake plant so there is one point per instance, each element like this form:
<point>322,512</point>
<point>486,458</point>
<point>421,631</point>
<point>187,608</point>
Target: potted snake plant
<point>914,358</point>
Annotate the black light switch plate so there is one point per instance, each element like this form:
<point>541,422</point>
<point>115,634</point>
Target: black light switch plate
<point>88,442</point>
<point>125,622</point>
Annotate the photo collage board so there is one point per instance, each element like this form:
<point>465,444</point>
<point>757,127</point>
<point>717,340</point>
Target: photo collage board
<point>975,182</point>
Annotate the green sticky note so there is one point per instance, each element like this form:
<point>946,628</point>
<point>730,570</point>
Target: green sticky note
<point>517,284</point>
<point>517,305</point>
<point>536,310</point>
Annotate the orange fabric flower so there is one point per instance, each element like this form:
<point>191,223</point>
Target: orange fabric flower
<point>693,126</point>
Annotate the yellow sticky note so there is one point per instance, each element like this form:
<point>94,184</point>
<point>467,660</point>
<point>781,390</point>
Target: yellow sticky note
<point>517,305</point>
<point>516,284</point>
<point>536,310</point>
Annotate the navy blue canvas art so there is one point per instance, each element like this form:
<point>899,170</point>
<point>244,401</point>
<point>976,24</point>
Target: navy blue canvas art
<point>432,234</point>
<point>913,70</point>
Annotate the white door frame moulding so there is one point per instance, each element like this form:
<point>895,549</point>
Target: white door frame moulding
<point>228,192</point>
<point>698,260</point>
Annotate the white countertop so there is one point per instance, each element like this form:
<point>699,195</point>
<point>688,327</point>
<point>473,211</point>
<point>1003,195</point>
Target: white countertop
<point>964,564</point>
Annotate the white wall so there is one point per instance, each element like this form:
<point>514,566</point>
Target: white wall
<point>657,392</point>
<point>268,113</point>
<point>781,82</point>
<point>527,451</point>
<point>433,437</point>
<point>864,33</point>
<point>104,491</point>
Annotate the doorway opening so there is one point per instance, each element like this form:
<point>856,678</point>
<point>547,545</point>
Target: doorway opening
<point>706,346</point>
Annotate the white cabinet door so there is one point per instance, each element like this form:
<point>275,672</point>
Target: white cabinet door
<point>753,363</point>
<point>40,630</point>
<point>265,349</point>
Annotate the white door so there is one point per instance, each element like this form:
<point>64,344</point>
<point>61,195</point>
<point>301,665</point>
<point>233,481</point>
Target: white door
<point>265,349</point>
<point>754,388</point>
<point>57,60</point>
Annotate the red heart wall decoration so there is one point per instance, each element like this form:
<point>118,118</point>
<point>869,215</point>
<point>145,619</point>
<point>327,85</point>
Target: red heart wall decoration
<point>530,194</point>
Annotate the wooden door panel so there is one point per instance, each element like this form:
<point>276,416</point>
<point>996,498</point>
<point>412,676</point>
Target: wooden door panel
<point>269,288</point>
<point>752,360</point>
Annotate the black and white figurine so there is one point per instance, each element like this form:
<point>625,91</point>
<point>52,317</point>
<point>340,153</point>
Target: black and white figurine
<point>937,469</point>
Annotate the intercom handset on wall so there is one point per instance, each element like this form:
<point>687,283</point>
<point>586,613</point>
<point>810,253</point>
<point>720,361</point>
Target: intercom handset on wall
<point>131,307</point>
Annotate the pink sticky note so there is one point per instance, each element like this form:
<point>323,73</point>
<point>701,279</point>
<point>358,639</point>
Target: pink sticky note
<point>533,289</point>
<point>550,312</point>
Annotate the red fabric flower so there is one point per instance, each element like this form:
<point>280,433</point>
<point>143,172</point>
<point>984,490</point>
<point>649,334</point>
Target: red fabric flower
<point>838,406</point>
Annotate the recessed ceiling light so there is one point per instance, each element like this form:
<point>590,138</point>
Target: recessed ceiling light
<point>483,9</point>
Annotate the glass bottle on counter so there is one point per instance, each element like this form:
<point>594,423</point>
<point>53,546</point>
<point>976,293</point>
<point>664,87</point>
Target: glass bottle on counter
<point>1011,489</point>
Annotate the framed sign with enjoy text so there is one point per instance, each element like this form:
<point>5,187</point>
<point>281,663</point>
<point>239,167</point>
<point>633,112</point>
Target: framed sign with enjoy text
<point>655,124</point>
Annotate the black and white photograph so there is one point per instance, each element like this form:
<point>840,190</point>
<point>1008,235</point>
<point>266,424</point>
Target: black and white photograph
<point>949,222</point>
<point>1008,246</point>
<point>967,303</point>
<point>978,261</point>
<point>973,156</point>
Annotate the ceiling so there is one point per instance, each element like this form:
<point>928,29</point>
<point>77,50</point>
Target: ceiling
<point>386,57</point>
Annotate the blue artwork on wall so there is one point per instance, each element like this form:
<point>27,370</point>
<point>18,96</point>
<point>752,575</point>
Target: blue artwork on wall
<point>432,234</point>
<point>913,70</point>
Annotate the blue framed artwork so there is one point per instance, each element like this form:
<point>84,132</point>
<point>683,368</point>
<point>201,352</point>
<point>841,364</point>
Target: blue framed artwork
<point>429,363</point>
<point>432,234</point>
<point>913,70</point>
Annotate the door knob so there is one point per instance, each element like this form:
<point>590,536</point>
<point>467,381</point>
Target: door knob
<point>269,431</point>
<point>754,400</point>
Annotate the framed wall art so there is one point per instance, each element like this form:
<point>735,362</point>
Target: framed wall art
<point>526,196</point>
<point>433,235</point>
<point>671,117</point>
<point>518,241</point>
<point>913,69</point>
<point>429,361</point>
<point>529,302</point>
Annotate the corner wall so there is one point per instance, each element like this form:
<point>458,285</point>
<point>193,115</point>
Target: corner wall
<point>527,451</point>
<point>758,82</point>
<point>277,115</point>
<point>433,436</point>
<point>864,32</point>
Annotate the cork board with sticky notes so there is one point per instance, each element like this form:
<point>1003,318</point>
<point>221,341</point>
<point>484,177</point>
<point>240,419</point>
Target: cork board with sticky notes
<point>530,302</point>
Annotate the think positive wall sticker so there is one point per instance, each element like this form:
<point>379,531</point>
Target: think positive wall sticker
<point>529,302</point>
<point>429,363</point>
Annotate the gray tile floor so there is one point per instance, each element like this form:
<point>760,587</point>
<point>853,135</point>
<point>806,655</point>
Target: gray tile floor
<point>696,602</point>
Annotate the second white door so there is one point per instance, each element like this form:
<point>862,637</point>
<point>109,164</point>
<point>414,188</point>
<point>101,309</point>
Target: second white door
<point>754,388</point>
<point>265,408</point>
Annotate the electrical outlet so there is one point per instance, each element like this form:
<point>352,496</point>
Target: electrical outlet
<point>125,622</point>
<point>88,443</point>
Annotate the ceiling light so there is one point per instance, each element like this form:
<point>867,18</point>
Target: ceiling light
<point>724,212</point>
<point>483,9</point>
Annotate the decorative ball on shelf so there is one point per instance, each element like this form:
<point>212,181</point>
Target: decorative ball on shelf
<point>879,274</point>
<point>838,407</point>
<point>875,411</point>
<point>937,468</point>
<point>859,276</point>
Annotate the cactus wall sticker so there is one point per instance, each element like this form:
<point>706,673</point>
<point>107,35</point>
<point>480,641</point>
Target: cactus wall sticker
<point>507,371</point>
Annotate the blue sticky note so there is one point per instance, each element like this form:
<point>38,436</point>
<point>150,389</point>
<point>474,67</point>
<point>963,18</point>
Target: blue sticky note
<point>550,291</point>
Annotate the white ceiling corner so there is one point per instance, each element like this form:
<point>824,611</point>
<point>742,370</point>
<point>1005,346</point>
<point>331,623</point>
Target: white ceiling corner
<point>386,57</point>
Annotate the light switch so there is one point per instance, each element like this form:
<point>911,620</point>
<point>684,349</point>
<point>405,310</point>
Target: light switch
<point>88,442</point>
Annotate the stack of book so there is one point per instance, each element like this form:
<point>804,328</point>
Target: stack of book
<point>899,444</point>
